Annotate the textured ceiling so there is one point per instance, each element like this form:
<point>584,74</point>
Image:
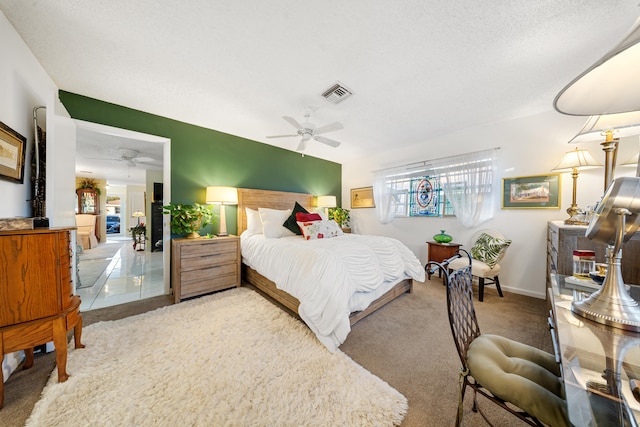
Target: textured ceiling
<point>418,68</point>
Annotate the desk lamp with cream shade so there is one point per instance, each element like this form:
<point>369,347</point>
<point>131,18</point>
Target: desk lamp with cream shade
<point>222,196</point>
<point>611,89</point>
<point>138,215</point>
<point>573,161</point>
<point>326,202</point>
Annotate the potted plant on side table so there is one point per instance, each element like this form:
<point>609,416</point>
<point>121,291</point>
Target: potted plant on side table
<point>188,219</point>
<point>342,217</point>
<point>139,234</point>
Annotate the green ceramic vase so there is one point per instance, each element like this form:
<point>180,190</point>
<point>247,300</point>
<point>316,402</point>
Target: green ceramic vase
<point>442,237</point>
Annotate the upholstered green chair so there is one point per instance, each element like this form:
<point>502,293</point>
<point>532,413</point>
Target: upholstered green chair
<point>522,379</point>
<point>488,247</point>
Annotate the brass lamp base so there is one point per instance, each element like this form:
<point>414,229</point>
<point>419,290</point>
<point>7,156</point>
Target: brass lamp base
<point>576,216</point>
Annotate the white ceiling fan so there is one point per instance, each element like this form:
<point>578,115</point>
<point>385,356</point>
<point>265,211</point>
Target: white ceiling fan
<point>309,131</point>
<point>130,157</point>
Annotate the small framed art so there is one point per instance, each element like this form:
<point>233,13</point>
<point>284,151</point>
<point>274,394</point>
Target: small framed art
<point>531,192</point>
<point>362,198</point>
<point>12,152</point>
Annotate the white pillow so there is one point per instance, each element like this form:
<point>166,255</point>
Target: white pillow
<point>272,220</point>
<point>254,223</point>
<point>319,229</point>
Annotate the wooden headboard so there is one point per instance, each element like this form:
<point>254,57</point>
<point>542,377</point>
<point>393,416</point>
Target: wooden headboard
<point>254,199</point>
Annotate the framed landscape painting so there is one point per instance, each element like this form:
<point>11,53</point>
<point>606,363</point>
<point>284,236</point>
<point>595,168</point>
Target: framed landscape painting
<point>12,152</point>
<point>531,192</point>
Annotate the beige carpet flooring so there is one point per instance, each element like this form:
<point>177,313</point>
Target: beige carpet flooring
<point>407,343</point>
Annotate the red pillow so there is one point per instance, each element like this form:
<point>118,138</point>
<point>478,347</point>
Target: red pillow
<point>307,217</point>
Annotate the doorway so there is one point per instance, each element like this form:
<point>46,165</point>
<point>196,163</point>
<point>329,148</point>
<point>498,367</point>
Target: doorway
<point>124,159</point>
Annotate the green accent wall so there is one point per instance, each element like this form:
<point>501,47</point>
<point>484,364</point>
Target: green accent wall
<point>201,157</point>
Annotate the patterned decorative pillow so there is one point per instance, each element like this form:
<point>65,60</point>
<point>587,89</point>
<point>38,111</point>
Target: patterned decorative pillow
<point>319,229</point>
<point>291,223</point>
<point>489,249</point>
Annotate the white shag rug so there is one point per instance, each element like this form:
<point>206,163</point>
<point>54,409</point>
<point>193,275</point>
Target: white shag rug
<point>228,359</point>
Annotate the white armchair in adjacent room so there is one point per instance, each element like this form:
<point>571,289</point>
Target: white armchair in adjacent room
<point>86,225</point>
<point>487,248</point>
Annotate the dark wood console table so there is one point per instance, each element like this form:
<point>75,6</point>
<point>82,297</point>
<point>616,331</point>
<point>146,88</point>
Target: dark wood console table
<point>38,305</point>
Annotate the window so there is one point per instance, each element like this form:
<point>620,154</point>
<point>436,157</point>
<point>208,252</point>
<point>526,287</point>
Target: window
<point>463,186</point>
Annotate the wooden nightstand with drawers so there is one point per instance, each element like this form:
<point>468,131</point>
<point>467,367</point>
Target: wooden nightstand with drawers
<point>201,266</point>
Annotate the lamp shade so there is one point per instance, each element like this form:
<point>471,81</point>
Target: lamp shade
<point>222,195</point>
<point>632,161</point>
<point>623,125</point>
<point>576,159</point>
<point>327,201</point>
<point>609,86</point>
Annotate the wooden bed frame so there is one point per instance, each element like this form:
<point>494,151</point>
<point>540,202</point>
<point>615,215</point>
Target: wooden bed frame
<point>254,199</point>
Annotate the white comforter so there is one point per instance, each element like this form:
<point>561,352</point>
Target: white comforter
<point>324,274</point>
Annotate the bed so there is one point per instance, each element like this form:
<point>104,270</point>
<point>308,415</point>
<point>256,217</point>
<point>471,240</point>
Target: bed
<point>255,271</point>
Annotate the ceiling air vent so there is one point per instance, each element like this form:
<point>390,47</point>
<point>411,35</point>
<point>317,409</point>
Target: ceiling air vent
<point>336,93</point>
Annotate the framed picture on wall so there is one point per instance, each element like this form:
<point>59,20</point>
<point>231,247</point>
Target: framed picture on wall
<point>12,152</point>
<point>531,192</point>
<point>362,198</point>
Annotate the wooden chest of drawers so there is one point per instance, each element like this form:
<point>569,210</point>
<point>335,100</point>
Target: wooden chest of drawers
<point>200,266</point>
<point>37,304</point>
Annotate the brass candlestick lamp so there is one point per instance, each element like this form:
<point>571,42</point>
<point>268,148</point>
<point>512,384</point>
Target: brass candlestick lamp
<point>573,161</point>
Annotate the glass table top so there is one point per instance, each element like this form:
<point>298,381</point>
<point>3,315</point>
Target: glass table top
<point>600,364</point>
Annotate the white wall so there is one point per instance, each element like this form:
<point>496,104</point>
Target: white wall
<point>528,146</point>
<point>24,84</point>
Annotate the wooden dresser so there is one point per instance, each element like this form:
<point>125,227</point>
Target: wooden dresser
<point>200,266</point>
<point>38,305</point>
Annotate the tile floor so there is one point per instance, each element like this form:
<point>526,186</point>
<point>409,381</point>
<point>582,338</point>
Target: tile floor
<point>130,276</point>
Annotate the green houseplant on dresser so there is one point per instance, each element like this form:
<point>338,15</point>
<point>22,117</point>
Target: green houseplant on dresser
<point>342,217</point>
<point>188,219</point>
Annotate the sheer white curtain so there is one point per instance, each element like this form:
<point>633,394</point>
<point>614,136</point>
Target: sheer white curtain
<point>384,197</point>
<point>469,183</point>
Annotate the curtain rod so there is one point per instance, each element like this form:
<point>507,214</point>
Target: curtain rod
<point>427,162</point>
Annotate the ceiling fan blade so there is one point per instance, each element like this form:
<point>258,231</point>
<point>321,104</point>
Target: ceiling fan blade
<point>303,145</point>
<point>281,136</point>
<point>331,142</point>
<point>143,159</point>
<point>329,128</point>
<point>293,122</point>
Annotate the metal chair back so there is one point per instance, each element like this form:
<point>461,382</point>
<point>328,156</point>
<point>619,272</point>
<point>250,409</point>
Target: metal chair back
<point>462,315</point>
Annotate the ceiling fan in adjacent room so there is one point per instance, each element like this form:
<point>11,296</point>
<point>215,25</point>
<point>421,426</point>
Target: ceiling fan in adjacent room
<point>130,157</point>
<point>308,131</point>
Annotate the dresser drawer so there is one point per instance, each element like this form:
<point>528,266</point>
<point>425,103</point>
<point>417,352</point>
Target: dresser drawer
<point>211,247</point>
<point>207,261</point>
<point>207,284</point>
<point>204,274</point>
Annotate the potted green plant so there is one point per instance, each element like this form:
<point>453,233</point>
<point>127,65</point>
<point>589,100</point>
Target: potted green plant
<point>139,234</point>
<point>188,219</point>
<point>89,184</point>
<point>341,216</point>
